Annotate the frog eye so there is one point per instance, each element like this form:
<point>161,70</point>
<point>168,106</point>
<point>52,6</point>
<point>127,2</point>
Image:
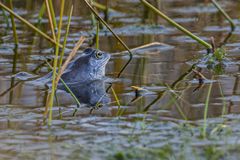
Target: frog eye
<point>99,55</point>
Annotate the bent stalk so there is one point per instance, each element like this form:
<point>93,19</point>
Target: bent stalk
<point>178,26</point>
<point>224,14</point>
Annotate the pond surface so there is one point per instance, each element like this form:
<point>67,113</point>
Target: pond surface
<point>151,123</point>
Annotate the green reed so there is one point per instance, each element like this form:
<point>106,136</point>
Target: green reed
<point>13,24</point>
<point>115,35</point>
<point>65,37</point>
<point>97,35</point>
<point>54,85</point>
<point>120,111</point>
<point>178,26</point>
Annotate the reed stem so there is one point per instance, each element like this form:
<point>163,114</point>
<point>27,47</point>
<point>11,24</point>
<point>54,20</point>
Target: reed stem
<point>54,84</point>
<point>65,37</point>
<point>97,35</point>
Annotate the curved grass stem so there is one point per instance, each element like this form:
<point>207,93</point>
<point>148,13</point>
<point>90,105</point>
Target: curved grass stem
<point>224,14</point>
<point>178,26</point>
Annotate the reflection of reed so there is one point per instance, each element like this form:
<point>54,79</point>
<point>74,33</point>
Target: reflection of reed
<point>226,39</point>
<point>10,89</point>
<point>175,97</point>
<point>234,92</point>
<point>13,71</point>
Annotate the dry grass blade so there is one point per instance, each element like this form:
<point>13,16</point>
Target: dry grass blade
<point>69,58</point>
<point>199,74</point>
<point>50,19</point>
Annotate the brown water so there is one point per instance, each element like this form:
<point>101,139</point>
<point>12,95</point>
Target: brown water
<point>24,135</point>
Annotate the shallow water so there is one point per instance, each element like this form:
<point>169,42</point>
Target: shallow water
<point>103,134</point>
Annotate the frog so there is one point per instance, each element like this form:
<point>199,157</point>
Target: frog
<point>89,66</point>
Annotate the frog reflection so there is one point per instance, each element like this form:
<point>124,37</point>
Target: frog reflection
<point>92,93</point>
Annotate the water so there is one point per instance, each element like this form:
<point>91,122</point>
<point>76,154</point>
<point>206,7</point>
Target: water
<point>134,135</point>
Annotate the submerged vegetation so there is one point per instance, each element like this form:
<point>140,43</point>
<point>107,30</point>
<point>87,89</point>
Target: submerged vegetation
<point>150,117</point>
